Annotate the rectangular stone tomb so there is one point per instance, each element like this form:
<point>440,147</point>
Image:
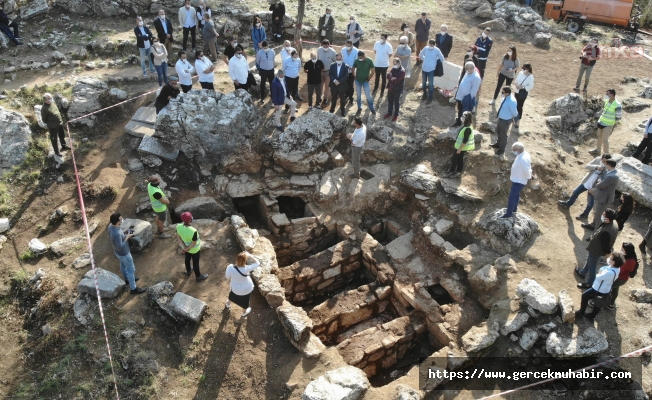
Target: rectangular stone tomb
<point>139,129</point>
<point>146,115</point>
<point>152,145</point>
<point>187,307</point>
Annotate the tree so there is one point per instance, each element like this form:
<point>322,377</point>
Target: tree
<point>298,25</point>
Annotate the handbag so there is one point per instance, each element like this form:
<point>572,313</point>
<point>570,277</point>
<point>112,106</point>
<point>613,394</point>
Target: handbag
<point>522,93</point>
<point>251,80</point>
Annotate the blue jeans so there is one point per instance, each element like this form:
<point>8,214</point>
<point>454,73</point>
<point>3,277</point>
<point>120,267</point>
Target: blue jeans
<point>428,76</point>
<point>528,3</point>
<point>128,269</point>
<point>393,100</point>
<point>144,55</point>
<point>162,72</point>
<point>514,197</point>
<point>589,199</point>
<point>358,88</point>
<point>590,267</point>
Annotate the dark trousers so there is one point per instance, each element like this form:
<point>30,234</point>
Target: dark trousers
<point>586,296</point>
<point>356,44</point>
<point>266,75</point>
<point>614,290</point>
<point>519,104</point>
<point>293,86</point>
<point>13,25</point>
<point>314,87</point>
<point>243,86</point>
<point>338,91</point>
<point>457,161</point>
<point>159,107</point>
<point>277,30</point>
<point>381,72</point>
<point>644,145</point>
<point>499,85</point>
<point>482,64</point>
<point>185,88</point>
<point>193,33</point>
<point>207,85</point>
<point>393,100</point>
<point>502,127</point>
<point>514,198</point>
<point>54,132</point>
<point>350,86</point>
<point>460,109</point>
<point>195,263</point>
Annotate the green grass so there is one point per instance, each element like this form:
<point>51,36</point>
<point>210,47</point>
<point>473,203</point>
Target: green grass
<point>5,200</point>
<point>19,278</point>
<point>26,255</point>
<point>77,345</point>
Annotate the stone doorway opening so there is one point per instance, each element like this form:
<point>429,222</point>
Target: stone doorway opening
<point>440,295</point>
<point>249,208</point>
<point>292,207</point>
<point>384,231</point>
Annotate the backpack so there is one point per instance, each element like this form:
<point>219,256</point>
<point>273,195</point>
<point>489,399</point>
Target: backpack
<point>633,273</point>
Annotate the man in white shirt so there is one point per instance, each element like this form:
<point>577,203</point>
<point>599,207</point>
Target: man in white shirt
<point>383,51</point>
<point>185,71</point>
<point>188,20</point>
<point>239,70</point>
<point>205,69</point>
<point>281,96</point>
<point>357,138</point>
<point>287,50</point>
<point>520,175</point>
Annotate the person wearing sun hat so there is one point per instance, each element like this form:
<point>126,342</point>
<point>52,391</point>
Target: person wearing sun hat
<point>191,244</point>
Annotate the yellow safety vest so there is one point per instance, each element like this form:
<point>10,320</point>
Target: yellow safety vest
<point>186,233</point>
<point>609,112</point>
<point>470,144</point>
<point>157,206</point>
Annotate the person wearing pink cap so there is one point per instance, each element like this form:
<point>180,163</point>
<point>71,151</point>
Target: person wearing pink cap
<point>191,244</point>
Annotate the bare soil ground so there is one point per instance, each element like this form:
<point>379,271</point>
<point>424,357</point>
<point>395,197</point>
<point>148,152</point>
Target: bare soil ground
<point>227,358</point>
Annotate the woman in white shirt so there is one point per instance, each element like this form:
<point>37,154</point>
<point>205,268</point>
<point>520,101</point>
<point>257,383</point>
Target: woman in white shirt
<point>241,283</point>
<point>524,83</point>
<point>604,279</point>
<point>205,69</point>
<point>184,70</point>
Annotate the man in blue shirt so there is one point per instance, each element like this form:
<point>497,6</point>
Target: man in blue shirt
<point>265,63</point>
<point>506,115</point>
<point>467,91</point>
<point>120,245</point>
<point>483,43</point>
<point>429,56</point>
<point>349,55</point>
<point>292,66</point>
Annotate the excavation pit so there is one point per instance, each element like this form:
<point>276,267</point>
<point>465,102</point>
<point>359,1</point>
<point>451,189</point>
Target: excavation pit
<point>292,207</point>
<point>249,208</point>
<point>440,295</point>
<point>385,231</point>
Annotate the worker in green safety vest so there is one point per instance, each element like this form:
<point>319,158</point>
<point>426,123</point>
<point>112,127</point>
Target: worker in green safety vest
<point>159,204</point>
<point>465,142</point>
<point>191,244</point>
<point>612,111</point>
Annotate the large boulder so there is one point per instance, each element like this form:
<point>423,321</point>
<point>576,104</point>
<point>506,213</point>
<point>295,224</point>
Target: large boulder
<point>305,145</point>
<point>65,246</point>
<point>506,235</point>
<point>535,296</point>
<point>641,295</point>
<point>345,383</point>
<point>201,207</point>
<point>86,99</point>
<point>109,284</point>
<point>571,109</point>
<point>209,127</point>
<point>420,178</point>
<point>635,179</point>
<point>143,233</point>
<point>480,337</point>
<point>33,9</point>
<point>187,307</point>
<point>584,343</point>
<point>37,247</point>
<point>15,137</point>
<point>296,324</point>
<point>484,11</point>
<point>470,5</point>
<point>112,8</point>
<point>497,24</point>
<point>542,39</point>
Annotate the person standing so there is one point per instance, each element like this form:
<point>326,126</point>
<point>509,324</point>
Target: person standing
<point>363,71</point>
<point>231,49</point>
<point>470,56</point>
<point>597,168</point>
<point>422,29</point>
<point>601,287</point>
<point>466,96</point>
<point>646,144</point>
<point>591,53</point>
<point>524,84</point>
<point>191,246</point>
<point>265,63</point>
<point>188,20</point>
<point>278,13</point>
<point>383,51</point>
<point>405,31</point>
<point>600,244</point>
<point>185,71</point>
<point>465,142</point>
<point>160,54</point>
<point>483,44</point>
<point>507,112</point>
<point>444,41</point>
<point>168,92</point>
<point>429,56</point>
<point>144,43</point>
<point>357,138</point>
<point>204,68</point>
<point>241,283</point>
<point>349,55</point>
<point>326,28</point>
<point>353,32</point>
<point>239,71</point>
<point>339,74</point>
<point>612,112</point>
<point>313,69</point>
<point>159,202</point>
<point>603,193</point>
<point>287,50</point>
<point>327,56</point>
<point>627,270</point>
<point>508,65</point>
<point>292,66</point>
<point>120,246</point>
<point>52,120</point>
<point>625,210</point>
<point>280,97</point>
<point>395,85</point>
<point>164,30</point>
<point>404,53</point>
<point>521,173</point>
<point>6,24</point>
<point>210,36</point>
<point>258,34</point>
<point>202,11</point>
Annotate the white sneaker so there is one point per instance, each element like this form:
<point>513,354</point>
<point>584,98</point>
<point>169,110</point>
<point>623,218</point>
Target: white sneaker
<point>492,102</point>
<point>247,311</point>
<point>228,304</point>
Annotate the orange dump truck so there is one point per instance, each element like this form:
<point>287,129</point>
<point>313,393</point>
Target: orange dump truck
<point>620,13</point>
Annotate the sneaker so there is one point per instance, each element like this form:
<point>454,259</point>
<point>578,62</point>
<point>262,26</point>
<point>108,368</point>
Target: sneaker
<point>505,216</point>
<point>144,74</point>
<point>64,147</point>
<point>562,203</point>
<point>373,112</point>
<point>325,102</point>
<point>387,116</point>
<point>357,113</point>
<point>588,226</point>
<point>583,285</point>
<point>57,154</point>
<point>343,113</point>
<point>594,151</point>
<point>162,235</point>
<point>576,89</point>
<point>138,290</point>
<point>492,102</point>
<point>201,278</point>
<point>247,312</point>
<point>309,108</point>
<point>318,107</point>
<point>135,280</point>
<point>495,145</point>
<point>395,118</point>
<point>227,304</point>
<point>292,119</point>
<point>280,128</point>
<point>581,217</point>
<point>188,273</point>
